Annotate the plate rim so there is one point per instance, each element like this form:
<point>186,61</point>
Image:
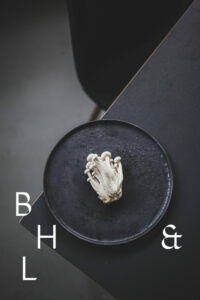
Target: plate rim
<point>119,241</point>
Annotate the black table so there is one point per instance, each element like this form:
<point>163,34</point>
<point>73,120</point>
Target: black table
<point>164,99</point>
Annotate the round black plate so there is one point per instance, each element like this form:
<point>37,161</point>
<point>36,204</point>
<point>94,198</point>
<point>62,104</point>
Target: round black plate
<point>147,185</point>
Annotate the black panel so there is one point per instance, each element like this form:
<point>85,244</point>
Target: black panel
<point>112,39</point>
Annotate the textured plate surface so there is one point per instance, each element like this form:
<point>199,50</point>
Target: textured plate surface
<point>147,185</point>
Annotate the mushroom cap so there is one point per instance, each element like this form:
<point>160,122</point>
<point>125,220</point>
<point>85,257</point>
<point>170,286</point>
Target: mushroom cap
<point>105,154</point>
<point>90,157</point>
<point>117,159</point>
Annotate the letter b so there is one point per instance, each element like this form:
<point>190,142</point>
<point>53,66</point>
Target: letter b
<point>26,204</point>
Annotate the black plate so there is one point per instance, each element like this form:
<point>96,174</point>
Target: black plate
<point>147,185</point>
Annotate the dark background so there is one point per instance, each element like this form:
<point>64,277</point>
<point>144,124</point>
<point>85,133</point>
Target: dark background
<point>40,100</point>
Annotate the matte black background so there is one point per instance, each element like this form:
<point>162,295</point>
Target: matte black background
<point>163,98</point>
<point>23,15</point>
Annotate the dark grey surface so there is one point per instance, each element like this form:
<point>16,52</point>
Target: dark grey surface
<point>40,100</point>
<point>164,99</point>
<point>147,185</point>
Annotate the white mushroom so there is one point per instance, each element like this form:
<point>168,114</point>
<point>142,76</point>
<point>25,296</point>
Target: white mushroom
<point>105,176</point>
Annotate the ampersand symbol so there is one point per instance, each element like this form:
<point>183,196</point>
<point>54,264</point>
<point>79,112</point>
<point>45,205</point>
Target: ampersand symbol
<point>174,236</point>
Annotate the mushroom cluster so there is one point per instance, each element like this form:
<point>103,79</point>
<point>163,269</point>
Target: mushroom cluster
<point>105,176</point>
